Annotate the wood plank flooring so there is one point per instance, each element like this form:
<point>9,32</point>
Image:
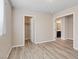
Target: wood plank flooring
<point>59,49</point>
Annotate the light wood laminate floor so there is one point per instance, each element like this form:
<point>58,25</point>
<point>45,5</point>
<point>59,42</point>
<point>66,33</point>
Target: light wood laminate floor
<point>59,49</point>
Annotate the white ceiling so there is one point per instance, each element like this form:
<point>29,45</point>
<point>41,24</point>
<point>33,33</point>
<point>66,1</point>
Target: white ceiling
<point>50,6</point>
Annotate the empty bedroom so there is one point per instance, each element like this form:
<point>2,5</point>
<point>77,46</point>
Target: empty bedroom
<point>38,29</point>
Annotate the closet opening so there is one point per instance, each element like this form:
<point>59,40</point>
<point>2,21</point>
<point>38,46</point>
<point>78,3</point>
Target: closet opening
<point>27,28</point>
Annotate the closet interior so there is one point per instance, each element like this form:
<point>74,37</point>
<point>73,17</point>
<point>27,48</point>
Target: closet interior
<point>27,28</point>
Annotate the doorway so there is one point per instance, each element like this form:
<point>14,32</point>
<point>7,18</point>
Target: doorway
<point>58,28</point>
<point>27,28</point>
<point>64,28</point>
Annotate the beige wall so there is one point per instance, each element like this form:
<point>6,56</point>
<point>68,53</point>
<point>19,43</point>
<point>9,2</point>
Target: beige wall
<point>41,31</point>
<point>5,40</point>
<point>73,10</point>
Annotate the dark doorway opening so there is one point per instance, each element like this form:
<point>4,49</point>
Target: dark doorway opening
<point>58,34</point>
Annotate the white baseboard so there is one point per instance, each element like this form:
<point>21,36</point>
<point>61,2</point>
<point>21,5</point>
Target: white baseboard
<point>43,41</point>
<point>62,38</point>
<point>76,49</point>
<point>69,38</point>
<point>66,38</point>
<point>17,46</point>
<point>9,52</point>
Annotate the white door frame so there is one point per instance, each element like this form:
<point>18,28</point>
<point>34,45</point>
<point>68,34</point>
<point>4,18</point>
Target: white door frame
<point>72,13</point>
<point>64,21</point>
<point>32,27</point>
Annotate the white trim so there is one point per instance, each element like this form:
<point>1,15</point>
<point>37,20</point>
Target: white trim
<point>76,48</point>
<point>24,28</point>
<point>12,48</point>
<point>17,46</point>
<point>65,15</point>
<point>69,38</point>
<point>9,52</point>
<point>73,22</point>
<point>62,38</point>
<point>43,41</point>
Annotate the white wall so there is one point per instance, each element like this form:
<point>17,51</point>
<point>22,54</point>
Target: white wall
<point>73,10</point>
<point>62,28</point>
<point>42,27</point>
<point>5,40</point>
<point>1,16</point>
<point>69,27</point>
